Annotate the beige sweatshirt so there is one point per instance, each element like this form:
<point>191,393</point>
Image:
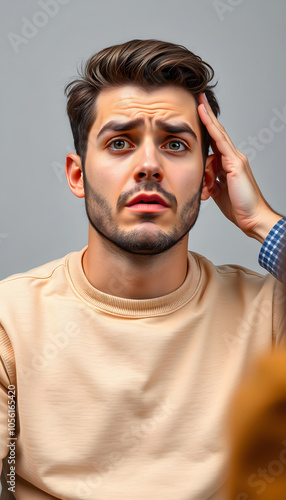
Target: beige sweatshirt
<point>121,399</point>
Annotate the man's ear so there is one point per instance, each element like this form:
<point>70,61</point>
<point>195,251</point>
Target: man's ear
<point>209,177</point>
<point>74,174</point>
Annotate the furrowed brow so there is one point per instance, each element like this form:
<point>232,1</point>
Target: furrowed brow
<point>176,128</point>
<point>116,126</point>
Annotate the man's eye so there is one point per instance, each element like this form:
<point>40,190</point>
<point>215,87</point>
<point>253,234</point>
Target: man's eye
<point>176,146</point>
<point>119,145</point>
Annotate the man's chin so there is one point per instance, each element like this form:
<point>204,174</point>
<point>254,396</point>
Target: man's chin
<point>145,251</point>
<point>139,243</point>
<point>144,246</point>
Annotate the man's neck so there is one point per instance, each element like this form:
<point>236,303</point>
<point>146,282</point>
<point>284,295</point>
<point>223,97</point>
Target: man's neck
<point>132,276</point>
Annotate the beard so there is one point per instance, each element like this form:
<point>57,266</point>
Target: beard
<point>138,241</point>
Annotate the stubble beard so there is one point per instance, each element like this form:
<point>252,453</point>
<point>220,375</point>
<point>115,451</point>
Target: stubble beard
<point>136,241</point>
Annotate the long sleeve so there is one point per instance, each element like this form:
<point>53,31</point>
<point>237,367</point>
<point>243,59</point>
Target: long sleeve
<point>272,256</point>
<point>7,378</point>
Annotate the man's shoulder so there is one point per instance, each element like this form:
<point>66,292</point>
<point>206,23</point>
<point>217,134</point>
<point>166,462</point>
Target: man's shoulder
<point>231,284</point>
<point>40,273</point>
<point>232,273</point>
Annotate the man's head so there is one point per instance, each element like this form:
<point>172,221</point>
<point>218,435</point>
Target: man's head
<point>137,132</point>
<point>149,64</point>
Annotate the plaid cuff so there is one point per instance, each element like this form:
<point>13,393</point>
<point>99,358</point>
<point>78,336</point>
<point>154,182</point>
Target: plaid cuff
<point>272,253</point>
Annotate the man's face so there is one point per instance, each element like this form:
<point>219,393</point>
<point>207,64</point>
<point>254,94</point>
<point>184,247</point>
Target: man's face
<point>147,144</point>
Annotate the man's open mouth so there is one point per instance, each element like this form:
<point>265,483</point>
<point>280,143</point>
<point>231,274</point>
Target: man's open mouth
<point>147,199</point>
<point>149,202</point>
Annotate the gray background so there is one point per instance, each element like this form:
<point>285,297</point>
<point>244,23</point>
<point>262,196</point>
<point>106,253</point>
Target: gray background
<point>244,40</point>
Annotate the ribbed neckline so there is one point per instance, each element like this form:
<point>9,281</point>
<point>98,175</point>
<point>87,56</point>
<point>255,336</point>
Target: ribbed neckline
<point>119,306</point>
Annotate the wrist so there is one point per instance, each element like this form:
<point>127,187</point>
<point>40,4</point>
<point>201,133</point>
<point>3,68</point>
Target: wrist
<point>264,226</point>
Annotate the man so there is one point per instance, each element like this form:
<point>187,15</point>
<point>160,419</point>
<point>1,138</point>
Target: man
<point>124,355</point>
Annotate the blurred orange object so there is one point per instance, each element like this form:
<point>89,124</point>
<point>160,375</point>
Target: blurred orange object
<point>258,433</point>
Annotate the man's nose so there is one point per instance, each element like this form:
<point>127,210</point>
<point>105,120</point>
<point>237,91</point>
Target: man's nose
<point>148,162</point>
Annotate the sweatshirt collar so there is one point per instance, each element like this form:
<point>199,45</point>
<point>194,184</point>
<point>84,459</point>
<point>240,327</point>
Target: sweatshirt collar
<point>135,308</point>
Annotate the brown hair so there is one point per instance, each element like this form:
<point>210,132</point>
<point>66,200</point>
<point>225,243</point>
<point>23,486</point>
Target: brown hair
<point>147,63</point>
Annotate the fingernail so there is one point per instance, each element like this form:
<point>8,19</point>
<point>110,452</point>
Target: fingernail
<point>205,109</point>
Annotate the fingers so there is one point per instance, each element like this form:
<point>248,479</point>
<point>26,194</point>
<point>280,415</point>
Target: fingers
<point>220,141</point>
<point>203,100</point>
<point>211,122</point>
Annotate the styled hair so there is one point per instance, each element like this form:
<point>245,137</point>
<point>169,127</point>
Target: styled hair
<point>150,64</point>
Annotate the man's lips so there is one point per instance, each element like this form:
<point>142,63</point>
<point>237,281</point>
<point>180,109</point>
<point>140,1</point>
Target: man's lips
<point>144,200</point>
<point>147,203</point>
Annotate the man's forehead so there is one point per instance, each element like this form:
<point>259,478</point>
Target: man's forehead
<point>132,102</point>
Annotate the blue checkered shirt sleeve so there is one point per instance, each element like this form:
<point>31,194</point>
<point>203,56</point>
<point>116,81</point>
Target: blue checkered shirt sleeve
<point>273,251</point>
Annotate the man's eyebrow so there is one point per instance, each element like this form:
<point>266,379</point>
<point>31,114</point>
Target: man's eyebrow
<point>176,128</point>
<point>116,126</point>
